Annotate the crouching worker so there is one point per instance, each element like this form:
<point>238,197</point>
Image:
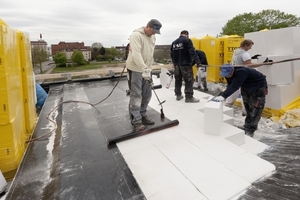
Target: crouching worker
<point>41,95</point>
<point>254,89</point>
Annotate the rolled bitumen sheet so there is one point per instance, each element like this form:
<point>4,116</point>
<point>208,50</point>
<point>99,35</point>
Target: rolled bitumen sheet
<point>140,133</point>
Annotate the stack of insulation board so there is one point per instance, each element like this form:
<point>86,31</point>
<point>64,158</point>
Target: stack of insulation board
<point>284,78</point>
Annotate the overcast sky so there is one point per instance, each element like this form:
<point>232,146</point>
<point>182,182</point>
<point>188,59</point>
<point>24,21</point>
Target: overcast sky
<point>111,22</point>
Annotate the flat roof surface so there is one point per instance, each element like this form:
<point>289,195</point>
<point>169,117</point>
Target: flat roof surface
<point>179,162</point>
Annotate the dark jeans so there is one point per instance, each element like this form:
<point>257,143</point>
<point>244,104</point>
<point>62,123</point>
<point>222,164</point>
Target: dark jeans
<point>254,104</point>
<point>185,73</point>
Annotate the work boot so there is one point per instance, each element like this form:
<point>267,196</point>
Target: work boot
<point>139,127</point>
<point>178,98</point>
<point>147,120</point>
<point>244,113</point>
<point>249,133</point>
<point>191,100</point>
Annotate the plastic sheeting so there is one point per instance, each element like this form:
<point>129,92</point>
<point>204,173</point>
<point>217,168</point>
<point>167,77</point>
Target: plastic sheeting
<point>41,95</point>
<point>291,118</point>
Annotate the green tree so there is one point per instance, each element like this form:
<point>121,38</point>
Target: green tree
<point>109,58</point>
<point>111,53</point>
<point>96,46</point>
<point>100,58</point>
<point>102,51</point>
<point>38,55</point>
<point>251,22</point>
<point>60,59</point>
<point>77,57</point>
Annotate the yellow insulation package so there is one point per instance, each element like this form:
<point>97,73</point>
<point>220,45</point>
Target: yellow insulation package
<point>218,52</point>
<point>231,43</point>
<point>214,50</point>
<point>196,44</point>
<point>13,132</point>
<point>28,82</point>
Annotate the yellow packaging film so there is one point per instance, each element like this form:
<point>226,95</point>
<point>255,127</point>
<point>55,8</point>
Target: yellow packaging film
<point>231,43</point>
<point>28,82</point>
<point>12,118</point>
<point>214,50</point>
<point>196,42</point>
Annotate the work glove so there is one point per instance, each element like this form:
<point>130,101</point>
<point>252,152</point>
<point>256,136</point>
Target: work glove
<point>255,56</point>
<point>202,69</point>
<point>218,99</point>
<point>171,72</point>
<point>268,62</point>
<point>146,74</point>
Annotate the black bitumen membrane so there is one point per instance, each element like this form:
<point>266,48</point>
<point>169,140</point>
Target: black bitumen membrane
<point>76,162</point>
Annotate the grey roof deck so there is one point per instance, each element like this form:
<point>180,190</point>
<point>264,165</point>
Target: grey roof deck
<point>76,163</point>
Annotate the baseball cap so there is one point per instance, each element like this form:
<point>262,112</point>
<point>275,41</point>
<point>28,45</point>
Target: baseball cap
<point>226,69</point>
<point>155,25</point>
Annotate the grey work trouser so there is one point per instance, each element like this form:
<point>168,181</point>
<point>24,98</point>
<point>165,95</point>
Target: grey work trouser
<point>140,96</point>
<point>254,104</point>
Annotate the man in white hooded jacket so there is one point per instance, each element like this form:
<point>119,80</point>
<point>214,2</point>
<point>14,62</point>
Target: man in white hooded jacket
<point>139,67</point>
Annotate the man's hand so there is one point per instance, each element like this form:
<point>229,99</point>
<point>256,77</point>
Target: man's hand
<point>171,71</point>
<point>268,62</point>
<point>255,56</point>
<point>218,99</point>
<point>199,65</point>
<point>146,74</point>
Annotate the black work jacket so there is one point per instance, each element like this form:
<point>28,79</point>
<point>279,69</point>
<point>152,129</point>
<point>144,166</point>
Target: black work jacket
<point>183,52</point>
<point>246,78</point>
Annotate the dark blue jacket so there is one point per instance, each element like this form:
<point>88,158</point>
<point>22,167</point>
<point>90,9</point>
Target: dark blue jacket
<point>202,57</point>
<point>246,78</point>
<point>183,52</point>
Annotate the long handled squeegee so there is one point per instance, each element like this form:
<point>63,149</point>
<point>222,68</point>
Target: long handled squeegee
<point>162,115</point>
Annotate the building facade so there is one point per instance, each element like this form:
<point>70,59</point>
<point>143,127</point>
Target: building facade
<point>69,47</point>
<point>41,44</point>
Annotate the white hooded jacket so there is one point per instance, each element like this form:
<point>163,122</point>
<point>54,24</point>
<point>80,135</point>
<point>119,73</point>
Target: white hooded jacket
<point>141,51</point>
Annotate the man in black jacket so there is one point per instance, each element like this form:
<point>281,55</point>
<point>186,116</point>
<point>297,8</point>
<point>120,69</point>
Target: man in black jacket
<point>202,71</point>
<point>254,89</point>
<point>183,55</point>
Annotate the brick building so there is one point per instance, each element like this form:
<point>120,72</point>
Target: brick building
<point>69,47</point>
